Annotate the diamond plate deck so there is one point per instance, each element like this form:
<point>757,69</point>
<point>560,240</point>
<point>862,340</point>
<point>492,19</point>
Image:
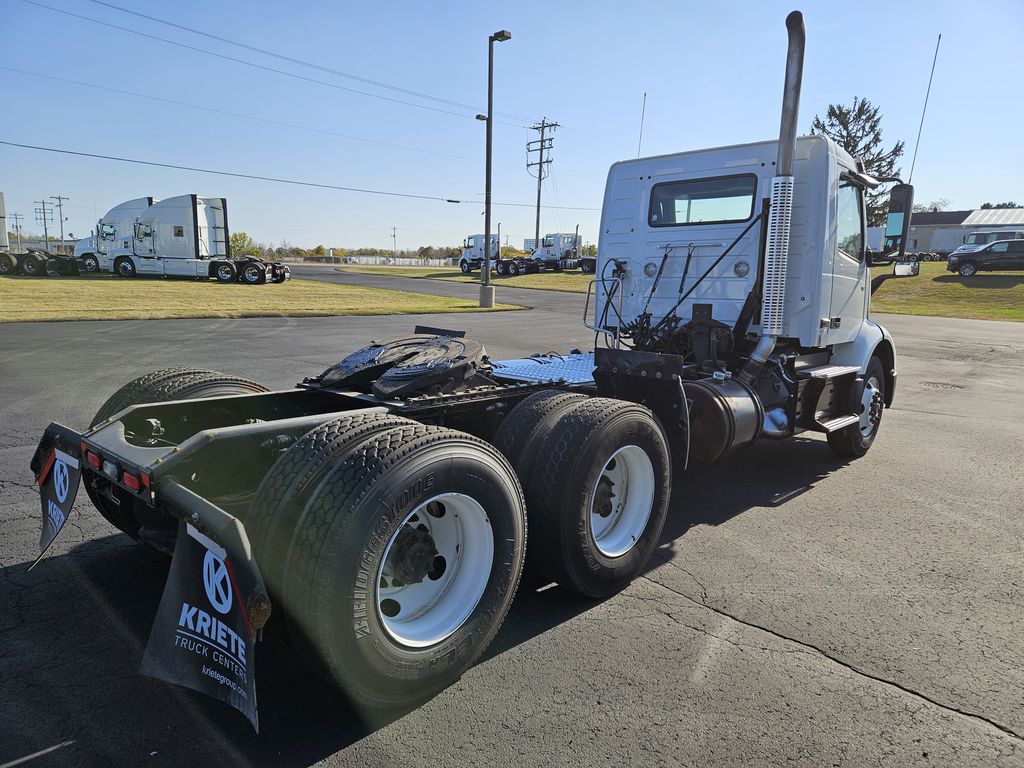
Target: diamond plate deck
<point>572,369</point>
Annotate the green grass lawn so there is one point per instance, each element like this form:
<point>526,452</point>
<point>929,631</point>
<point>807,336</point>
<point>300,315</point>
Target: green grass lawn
<point>986,296</point>
<point>105,297</point>
<point>575,282</point>
<point>936,292</point>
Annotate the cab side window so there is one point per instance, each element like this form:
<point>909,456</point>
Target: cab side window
<point>849,232</point>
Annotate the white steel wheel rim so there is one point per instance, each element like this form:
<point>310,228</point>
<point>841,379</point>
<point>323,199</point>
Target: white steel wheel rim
<point>630,473</point>
<point>867,403</point>
<point>418,615</point>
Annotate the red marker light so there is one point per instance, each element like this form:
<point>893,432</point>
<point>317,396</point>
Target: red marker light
<point>93,458</point>
<point>131,481</point>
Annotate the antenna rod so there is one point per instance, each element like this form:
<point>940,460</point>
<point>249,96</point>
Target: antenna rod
<point>643,111</point>
<point>925,109</point>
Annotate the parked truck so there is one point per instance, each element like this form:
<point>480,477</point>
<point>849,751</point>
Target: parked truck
<point>383,503</point>
<point>188,236</point>
<point>115,229</point>
<point>558,251</point>
<point>473,252</point>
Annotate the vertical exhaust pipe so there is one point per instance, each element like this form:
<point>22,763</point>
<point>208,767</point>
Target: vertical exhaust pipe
<point>781,211</point>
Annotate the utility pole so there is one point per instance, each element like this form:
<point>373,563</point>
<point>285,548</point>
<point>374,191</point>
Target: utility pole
<point>44,217</point>
<point>17,227</point>
<point>540,146</point>
<point>394,243</point>
<point>60,215</point>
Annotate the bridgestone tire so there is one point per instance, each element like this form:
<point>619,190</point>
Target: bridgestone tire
<point>295,476</point>
<point>32,266</point>
<point>158,387</point>
<point>851,442</point>
<point>337,556</point>
<point>563,486</point>
<point>519,435</point>
<point>225,273</point>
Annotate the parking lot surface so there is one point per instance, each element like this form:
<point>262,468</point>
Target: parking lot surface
<point>800,610</point>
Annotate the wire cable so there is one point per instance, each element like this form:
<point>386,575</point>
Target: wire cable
<point>274,179</point>
<point>302,62</point>
<point>254,64</point>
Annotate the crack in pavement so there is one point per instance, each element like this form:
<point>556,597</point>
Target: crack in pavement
<point>1005,730</point>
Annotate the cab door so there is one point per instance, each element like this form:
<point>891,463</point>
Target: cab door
<point>1015,253</point>
<point>848,301</point>
<point>146,261</point>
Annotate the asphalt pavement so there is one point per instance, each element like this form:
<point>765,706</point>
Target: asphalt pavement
<point>800,610</point>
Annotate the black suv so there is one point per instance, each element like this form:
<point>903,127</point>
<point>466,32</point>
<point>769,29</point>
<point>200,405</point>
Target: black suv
<point>1000,255</point>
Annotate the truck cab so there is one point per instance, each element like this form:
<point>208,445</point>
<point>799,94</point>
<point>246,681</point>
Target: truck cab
<point>558,250</point>
<point>473,252</point>
<point>113,231</point>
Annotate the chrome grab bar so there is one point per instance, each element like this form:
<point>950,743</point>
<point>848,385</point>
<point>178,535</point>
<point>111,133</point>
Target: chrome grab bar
<point>615,292</point>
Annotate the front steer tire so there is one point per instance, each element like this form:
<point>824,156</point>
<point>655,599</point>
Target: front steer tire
<point>598,495</point>
<point>156,387</point>
<point>337,583</point>
<point>855,440</point>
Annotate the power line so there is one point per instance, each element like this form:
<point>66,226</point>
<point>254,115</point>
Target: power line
<point>274,179</point>
<point>302,62</point>
<point>248,63</point>
<point>236,114</point>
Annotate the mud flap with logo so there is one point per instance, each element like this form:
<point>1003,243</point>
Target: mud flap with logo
<point>58,470</point>
<point>202,637</point>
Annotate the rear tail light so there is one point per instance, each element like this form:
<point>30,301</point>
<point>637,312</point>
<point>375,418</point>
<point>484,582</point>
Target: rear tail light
<point>132,481</point>
<point>93,459</point>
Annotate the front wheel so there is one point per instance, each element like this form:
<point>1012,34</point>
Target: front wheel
<point>967,270</point>
<point>405,562</point>
<point>125,268</point>
<point>464,266</point>
<point>855,440</point>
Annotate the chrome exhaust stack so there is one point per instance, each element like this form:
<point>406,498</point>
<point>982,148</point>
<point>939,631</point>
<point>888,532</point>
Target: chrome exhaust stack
<point>781,211</point>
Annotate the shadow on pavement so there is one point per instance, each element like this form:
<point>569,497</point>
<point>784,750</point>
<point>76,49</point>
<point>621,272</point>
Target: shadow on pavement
<point>73,632</point>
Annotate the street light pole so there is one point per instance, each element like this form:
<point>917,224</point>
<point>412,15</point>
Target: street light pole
<point>486,289</point>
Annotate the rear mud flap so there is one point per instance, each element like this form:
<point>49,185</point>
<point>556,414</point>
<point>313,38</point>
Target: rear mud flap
<point>58,470</point>
<point>203,637</point>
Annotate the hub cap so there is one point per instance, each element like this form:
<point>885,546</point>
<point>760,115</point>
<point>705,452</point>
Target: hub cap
<point>435,569</point>
<point>870,407</point>
<point>622,501</point>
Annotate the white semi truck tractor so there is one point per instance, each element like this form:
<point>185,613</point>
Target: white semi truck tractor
<point>383,503</point>
<point>115,229</point>
<point>188,236</point>
<point>472,256</point>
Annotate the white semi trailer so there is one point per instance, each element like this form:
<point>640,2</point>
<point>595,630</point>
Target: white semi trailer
<point>384,502</point>
<point>187,236</point>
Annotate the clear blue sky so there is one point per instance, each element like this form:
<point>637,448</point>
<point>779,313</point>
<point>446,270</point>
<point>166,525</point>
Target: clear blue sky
<point>712,73</point>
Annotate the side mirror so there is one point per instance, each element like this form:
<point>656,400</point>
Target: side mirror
<point>897,222</point>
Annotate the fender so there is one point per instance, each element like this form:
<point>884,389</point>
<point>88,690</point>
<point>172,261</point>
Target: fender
<point>872,340</point>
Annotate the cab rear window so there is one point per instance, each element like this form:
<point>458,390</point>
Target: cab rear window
<point>719,200</point>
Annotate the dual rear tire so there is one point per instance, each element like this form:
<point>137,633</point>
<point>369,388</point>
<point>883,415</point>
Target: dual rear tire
<point>597,475</point>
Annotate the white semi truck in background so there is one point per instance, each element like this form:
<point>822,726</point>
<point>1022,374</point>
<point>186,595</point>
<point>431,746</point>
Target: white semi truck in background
<point>185,236</point>
<point>473,253</point>
<point>385,501</point>
<point>114,230</point>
